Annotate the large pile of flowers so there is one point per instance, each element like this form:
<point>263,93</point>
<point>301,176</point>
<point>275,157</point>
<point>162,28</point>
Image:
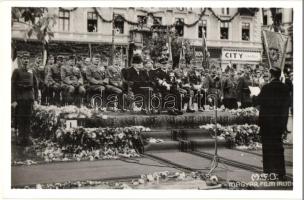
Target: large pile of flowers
<point>237,135</point>
<point>46,119</point>
<point>88,144</point>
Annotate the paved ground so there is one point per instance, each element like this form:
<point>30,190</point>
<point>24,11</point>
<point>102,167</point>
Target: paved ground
<point>84,170</point>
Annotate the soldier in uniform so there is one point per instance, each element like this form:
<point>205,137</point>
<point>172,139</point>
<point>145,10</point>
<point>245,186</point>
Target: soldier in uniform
<point>184,87</point>
<point>229,90</point>
<point>195,81</point>
<point>72,82</point>
<point>24,95</point>
<point>243,92</point>
<point>40,73</point>
<point>53,81</point>
<point>207,83</point>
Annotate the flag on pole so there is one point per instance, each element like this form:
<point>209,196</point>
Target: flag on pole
<point>275,46</point>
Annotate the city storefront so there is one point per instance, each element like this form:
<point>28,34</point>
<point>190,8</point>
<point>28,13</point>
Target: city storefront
<point>238,58</point>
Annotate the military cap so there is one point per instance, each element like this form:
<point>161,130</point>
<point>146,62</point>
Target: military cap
<point>38,55</point>
<point>163,60</point>
<point>22,54</point>
<point>137,59</point>
<point>96,56</point>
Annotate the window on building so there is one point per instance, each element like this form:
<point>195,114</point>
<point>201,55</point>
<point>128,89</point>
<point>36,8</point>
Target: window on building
<point>202,28</point>
<point>179,26</point>
<point>142,20</point>
<point>224,31</point>
<point>119,24</point>
<point>246,31</point>
<point>157,20</point>
<point>64,20</point>
<point>92,22</point>
<point>279,18</point>
<point>265,20</point>
<point>225,11</point>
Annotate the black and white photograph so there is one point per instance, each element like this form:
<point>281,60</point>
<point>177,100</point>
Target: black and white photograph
<point>153,98</point>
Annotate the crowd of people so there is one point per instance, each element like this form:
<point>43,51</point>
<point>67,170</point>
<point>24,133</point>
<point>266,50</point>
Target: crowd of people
<point>67,80</point>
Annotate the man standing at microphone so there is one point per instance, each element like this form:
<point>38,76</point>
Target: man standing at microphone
<point>274,100</point>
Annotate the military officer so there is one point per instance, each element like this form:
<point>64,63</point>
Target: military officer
<point>72,82</point>
<point>229,90</point>
<point>24,95</point>
<point>53,80</point>
<point>243,92</point>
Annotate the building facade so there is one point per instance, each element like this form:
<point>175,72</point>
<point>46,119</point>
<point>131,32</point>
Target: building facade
<point>235,42</point>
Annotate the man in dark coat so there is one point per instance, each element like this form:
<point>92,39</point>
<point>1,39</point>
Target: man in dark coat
<point>137,79</point>
<point>274,100</point>
<point>24,93</point>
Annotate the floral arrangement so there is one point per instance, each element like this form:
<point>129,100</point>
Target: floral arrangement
<point>245,112</point>
<point>88,144</point>
<point>238,136</point>
<point>46,119</point>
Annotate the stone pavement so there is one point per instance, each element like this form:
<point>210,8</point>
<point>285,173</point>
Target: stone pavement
<point>85,170</point>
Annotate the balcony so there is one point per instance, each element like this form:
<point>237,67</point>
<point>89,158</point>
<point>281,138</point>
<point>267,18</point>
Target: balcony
<point>221,43</point>
<point>80,37</point>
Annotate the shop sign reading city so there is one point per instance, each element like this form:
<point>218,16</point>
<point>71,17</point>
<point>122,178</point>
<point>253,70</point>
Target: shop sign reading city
<point>240,55</point>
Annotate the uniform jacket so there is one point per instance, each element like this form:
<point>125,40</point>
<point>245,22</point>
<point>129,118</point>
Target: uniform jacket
<point>71,75</point>
<point>24,85</point>
<point>53,75</point>
<point>194,78</point>
<point>229,87</point>
<point>96,76</point>
<point>243,92</point>
<point>40,74</point>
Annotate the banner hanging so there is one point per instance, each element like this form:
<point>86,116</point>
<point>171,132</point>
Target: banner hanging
<point>275,45</point>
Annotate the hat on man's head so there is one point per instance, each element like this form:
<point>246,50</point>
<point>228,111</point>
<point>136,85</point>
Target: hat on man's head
<point>275,71</point>
<point>38,55</point>
<point>22,54</point>
<point>137,59</point>
<point>163,60</point>
<point>96,56</point>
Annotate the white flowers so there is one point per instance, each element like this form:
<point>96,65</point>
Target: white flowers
<point>237,135</point>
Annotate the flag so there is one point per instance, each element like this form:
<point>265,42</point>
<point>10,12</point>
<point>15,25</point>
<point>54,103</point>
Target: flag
<point>275,46</point>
